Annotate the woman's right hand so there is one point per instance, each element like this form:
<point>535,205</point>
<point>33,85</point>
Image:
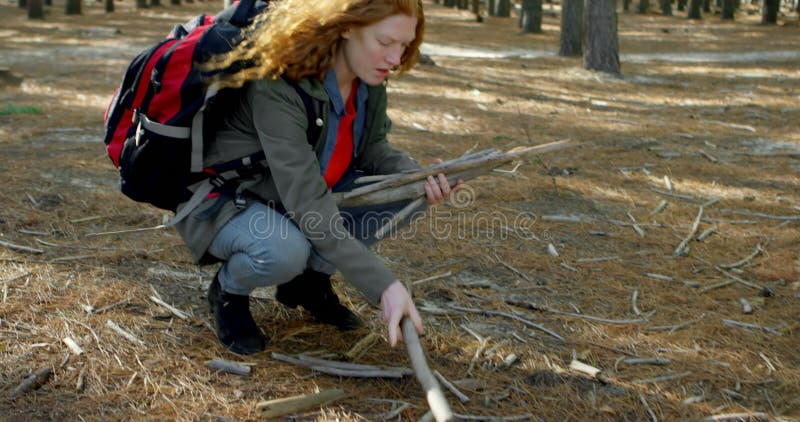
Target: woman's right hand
<point>396,303</point>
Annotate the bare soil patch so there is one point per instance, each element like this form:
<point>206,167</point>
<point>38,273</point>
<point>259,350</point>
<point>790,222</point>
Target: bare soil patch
<point>704,110</point>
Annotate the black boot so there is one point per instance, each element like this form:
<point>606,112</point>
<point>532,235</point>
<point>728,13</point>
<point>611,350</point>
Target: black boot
<point>235,326</point>
<point>312,290</point>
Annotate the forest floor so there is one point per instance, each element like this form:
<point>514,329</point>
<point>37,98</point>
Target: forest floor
<point>700,130</point>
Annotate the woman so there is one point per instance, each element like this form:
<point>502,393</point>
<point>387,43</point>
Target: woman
<point>283,227</point>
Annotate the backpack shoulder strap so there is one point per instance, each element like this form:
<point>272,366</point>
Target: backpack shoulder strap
<point>314,124</point>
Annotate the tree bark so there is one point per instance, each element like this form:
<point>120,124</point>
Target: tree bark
<point>73,7</point>
<point>48,2</point>
<point>728,9</point>
<point>22,4</point>
<point>681,5</point>
<point>571,28</point>
<point>706,6</point>
<point>694,9</point>
<point>502,8</point>
<point>35,9</point>
<point>175,2</point>
<point>141,4</point>
<point>626,6</point>
<point>643,6</point>
<point>666,7</point>
<point>769,12</point>
<point>530,18</point>
<point>155,3</point>
<point>602,44</point>
<point>449,3</point>
<point>463,4</point>
<point>490,7</point>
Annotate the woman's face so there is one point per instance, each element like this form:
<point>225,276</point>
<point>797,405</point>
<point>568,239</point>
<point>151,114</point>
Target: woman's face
<point>370,52</point>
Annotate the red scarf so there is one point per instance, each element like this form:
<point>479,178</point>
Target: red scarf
<point>343,150</point>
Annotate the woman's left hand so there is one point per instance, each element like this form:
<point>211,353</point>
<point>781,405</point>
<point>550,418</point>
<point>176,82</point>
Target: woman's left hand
<point>438,189</point>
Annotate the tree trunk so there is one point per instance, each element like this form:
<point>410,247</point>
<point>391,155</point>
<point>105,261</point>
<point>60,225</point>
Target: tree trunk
<point>35,9</point>
<point>155,3</point>
<point>48,2</point>
<point>141,4</point>
<point>73,7</point>
<point>449,3</point>
<point>531,16</point>
<point>694,9</point>
<point>502,8</point>
<point>666,7</point>
<point>706,6</point>
<point>602,45</point>
<point>175,2</point>
<point>463,4</point>
<point>109,4</point>
<point>769,12</point>
<point>490,5</point>
<point>681,5</point>
<point>727,9</point>
<point>643,6</point>
<point>571,28</point>
<point>476,7</point>
<point>626,6</point>
<point>22,4</point>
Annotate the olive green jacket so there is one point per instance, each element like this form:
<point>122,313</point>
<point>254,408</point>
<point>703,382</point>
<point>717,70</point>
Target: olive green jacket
<point>270,115</point>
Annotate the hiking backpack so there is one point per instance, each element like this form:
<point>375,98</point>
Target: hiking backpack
<point>155,126</point>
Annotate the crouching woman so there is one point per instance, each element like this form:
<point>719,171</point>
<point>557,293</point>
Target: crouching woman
<point>282,226</point>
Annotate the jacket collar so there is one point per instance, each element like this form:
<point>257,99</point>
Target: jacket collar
<point>313,87</point>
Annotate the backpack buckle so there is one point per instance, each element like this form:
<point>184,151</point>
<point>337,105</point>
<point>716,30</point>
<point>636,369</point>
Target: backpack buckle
<point>240,202</point>
<point>218,181</point>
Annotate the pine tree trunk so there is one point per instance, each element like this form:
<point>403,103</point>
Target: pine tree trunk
<point>141,4</point>
<point>109,4</point>
<point>728,9</point>
<point>531,16</point>
<point>490,5</point>
<point>706,6</point>
<point>502,8</point>
<point>643,6</point>
<point>155,3</point>
<point>602,45</point>
<point>571,28</point>
<point>476,7</point>
<point>35,9</point>
<point>175,2</point>
<point>48,2</point>
<point>449,3</point>
<point>626,6</point>
<point>769,12</point>
<point>681,5</point>
<point>666,7</point>
<point>463,4</point>
<point>22,4</point>
<point>73,7</point>
<point>694,9</point>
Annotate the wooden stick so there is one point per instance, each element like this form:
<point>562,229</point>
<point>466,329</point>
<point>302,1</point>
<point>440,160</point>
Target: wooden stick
<point>285,406</point>
<point>535,307</point>
<point>228,366</point>
<point>516,271</point>
<point>175,311</point>
<point>31,382</point>
<point>362,346</point>
<point>130,337</point>
<point>343,369</point>
<point>659,276</point>
<point>15,278</point>
<point>746,308</point>
<point>761,215</point>
<point>495,160</point>
<point>707,232</point>
<point>732,323</point>
<point>681,249</point>
<point>661,206</point>
<point>633,301</point>
<point>755,416</point>
<point>433,277</point>
<point>765,290</point>
<point>490,312</point>
<point>399,216</point>
<point>126,231</point>
<point>447,384</point>
<point>646,361</point>
<point>708,156</point>
<point>758,250</point>
<point>15,247</point>
<point>81,383</point>
<point>673,195</point>
<point>668,377</point>
<point>523,417</point>
<point>647,407</point>
<point>73,346</point>
<point>436,400</point>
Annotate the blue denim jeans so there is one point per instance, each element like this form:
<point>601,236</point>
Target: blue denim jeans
<point>262,247</point>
